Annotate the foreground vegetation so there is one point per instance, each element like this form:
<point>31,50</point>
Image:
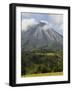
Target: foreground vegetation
<point>44,74</point>
<point>40,63</point>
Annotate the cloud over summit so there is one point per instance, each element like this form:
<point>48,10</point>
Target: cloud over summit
<point>28,22</point>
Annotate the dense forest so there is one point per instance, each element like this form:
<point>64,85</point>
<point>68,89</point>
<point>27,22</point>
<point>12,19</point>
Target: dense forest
<point>41,61</point>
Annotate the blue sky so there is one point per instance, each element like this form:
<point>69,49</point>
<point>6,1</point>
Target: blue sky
<point>37,16</point>
<point>55,20</point>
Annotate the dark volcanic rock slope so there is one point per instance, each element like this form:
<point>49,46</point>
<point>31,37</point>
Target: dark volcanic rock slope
<point>41,36</point>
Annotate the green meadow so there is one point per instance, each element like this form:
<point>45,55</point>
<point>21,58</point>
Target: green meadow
<point>44,74</point>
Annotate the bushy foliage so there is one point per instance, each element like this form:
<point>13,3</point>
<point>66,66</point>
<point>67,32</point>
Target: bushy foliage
<point>34,62</point>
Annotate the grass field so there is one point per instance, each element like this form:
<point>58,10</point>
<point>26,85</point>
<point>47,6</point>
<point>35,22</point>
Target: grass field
<point>48,54</point>
<point>44,74</point>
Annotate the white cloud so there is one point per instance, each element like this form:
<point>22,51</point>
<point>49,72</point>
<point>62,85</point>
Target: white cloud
<point>57,19</point>
<point>28,22</point>
<point>46,27</point>
<point>44,21</point>
<point>57,22</point>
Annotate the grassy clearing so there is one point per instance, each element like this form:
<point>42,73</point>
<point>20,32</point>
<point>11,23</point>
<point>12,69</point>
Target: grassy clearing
<point>48,54</point>
<point>44,74</point>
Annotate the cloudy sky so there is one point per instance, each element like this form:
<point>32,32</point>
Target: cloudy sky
<point>55,20</point>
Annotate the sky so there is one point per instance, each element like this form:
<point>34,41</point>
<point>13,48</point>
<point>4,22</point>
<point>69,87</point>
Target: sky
<point>54,20</point>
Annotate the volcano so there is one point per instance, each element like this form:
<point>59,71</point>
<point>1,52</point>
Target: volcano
<point>41,36</point>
